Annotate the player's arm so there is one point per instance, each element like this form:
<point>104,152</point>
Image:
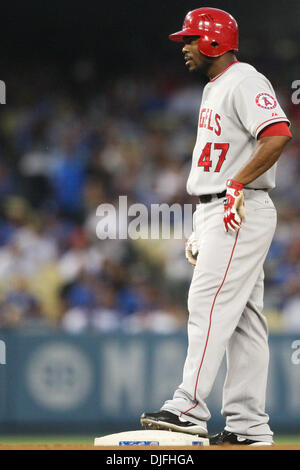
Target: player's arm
<point>265,154</point>
<point>267,150</point>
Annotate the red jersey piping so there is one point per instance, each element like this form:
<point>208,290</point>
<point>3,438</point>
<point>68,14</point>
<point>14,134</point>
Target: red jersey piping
<point>226,68</point>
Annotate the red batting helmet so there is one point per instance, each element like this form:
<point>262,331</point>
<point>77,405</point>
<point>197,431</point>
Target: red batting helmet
<point>217,29</point>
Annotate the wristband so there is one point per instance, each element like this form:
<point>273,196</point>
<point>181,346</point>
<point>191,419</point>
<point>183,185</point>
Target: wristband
<point>234,185</point>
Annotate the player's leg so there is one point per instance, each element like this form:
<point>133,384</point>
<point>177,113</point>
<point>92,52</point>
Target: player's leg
<point>226,272</point>
<point>169,417</point>
<point>225,275</point>
<point>247,368</point>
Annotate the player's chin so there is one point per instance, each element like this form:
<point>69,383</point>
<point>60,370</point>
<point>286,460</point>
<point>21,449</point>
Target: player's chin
<point>191,66</point>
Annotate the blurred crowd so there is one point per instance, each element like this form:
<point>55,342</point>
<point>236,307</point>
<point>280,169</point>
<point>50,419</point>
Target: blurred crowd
<point>65,151</point>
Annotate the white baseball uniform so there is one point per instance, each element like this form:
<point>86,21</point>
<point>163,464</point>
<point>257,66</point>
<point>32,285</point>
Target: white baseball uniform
<point>225,299</point>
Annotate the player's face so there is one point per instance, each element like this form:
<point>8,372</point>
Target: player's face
<point>194,60</point>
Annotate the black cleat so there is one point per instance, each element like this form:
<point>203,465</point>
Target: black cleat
<point>170,422</point>
<point>226,437</point>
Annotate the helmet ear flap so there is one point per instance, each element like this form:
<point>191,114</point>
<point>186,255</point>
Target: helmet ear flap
<point>214,44</point>
<point>209,47</point>
<point>207,43</point>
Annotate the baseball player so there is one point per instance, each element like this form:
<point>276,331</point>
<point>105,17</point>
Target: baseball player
<point>241,133</point>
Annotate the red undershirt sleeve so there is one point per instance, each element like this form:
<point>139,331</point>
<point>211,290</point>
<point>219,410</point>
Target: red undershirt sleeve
<point>278,128</point>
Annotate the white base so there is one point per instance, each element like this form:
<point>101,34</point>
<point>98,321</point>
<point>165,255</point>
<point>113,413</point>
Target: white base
<point>260,444</point>
<point>151,437</point>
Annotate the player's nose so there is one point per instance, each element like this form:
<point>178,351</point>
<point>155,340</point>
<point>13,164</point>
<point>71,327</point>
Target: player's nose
<point>184,49</point>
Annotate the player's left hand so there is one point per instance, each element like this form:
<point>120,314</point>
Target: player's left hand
<point>191,249</point>
<point>234,209</point>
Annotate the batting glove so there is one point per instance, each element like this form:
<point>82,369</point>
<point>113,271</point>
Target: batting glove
<point>234,210</point>
<point>191,249</point>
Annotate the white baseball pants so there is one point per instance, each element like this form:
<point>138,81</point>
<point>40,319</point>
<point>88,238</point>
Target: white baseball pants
<point>225,305</point>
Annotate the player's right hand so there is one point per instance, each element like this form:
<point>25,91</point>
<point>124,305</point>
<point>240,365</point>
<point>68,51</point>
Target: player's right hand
<point>234,207</point>
<point>191,249</point>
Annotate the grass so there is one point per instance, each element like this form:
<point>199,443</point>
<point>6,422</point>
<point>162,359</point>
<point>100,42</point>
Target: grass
<point>287,439</point>
<point>89,439</point>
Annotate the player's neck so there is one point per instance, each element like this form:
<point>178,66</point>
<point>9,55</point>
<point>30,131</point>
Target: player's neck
<point>220,64</point>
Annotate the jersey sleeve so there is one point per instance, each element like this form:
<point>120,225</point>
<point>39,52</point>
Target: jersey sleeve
<point>256,104</point>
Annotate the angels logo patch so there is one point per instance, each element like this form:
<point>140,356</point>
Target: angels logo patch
<point>266,101</point>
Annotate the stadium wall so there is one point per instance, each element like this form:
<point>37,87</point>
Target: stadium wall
<point>102,382</point>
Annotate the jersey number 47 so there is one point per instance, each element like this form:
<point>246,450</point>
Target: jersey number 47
<point>205,157</point>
